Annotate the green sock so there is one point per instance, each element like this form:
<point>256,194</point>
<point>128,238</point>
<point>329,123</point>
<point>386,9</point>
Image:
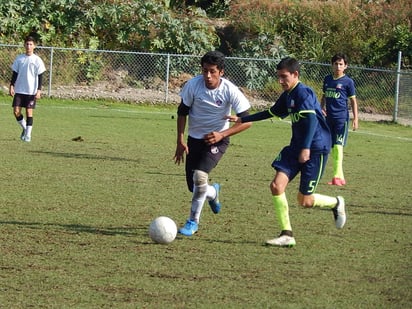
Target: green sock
<point>282,211</point>
<point>324,201</point>
<point>337,154</point>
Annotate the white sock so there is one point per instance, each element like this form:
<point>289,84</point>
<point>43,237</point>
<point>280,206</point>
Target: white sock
<point>28,130</point>
<point>211,193</point>
<point>22,123</point>
<point>198,199</point>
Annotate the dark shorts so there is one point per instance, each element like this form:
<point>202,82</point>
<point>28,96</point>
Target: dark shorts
<point>339,130</point>
<point>24,100</point>
<point>311,171</point>
<point>202,157</point>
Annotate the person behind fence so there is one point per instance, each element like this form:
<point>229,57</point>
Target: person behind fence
<point>338,88</point>
<point>307,152</point>
<point>206,100</point>
<point>25,86</point>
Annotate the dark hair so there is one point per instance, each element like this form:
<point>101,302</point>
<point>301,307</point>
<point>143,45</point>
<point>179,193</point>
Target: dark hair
<point>214,57</point>
<point>340,56</point>
<point>290,64</point>
<point>29,39</point>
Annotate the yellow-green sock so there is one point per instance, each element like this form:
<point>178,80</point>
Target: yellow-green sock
<point>282,211</point>
<point>324,201</point>
<point>337,154</point>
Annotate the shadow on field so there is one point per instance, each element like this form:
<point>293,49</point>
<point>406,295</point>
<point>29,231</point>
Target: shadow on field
<point>161,117</point>
<point>165,174</point>
<point>83,156</point>
<point>394,212</point>
<point>80,228</point>
<point>387,213</point>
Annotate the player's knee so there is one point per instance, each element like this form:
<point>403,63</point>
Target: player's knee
<point>200,178</point>
<point>276,189</point>
<point>305,200</point>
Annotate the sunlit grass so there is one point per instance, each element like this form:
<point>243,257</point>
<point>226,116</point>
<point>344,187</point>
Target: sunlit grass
<point>74,217</point>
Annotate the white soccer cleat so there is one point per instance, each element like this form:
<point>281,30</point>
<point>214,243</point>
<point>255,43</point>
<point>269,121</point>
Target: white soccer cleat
<point>339,213</point>
<point>282,241</point>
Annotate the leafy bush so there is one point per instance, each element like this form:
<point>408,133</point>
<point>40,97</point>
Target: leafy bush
<point>116,24</point>
<point>369,32</point>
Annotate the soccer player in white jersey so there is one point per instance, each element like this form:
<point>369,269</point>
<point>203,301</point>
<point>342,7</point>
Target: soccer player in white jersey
<point>206,100</point>
<point>25,86</point>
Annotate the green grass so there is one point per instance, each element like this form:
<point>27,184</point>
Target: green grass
<point>74,218</point>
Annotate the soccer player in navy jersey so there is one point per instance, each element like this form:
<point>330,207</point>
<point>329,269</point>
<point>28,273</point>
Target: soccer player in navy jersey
<point>338,88</point>
<point>307,152</point>
<point>206,100</point>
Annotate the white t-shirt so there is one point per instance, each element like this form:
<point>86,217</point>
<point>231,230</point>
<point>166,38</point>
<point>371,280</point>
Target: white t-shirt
<point>208,107</point>
<point>28,68</point>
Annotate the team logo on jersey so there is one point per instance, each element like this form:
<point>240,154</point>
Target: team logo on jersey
<point>214,150</point>
<point>292,103</point>
<point>339,86</point>
<point>219,102</point>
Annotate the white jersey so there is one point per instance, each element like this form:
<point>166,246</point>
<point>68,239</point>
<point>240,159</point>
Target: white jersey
<point>208,107</point>
<point>28,69</point>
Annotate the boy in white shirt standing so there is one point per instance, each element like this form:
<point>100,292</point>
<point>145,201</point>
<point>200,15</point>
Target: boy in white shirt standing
<point>25,86</point>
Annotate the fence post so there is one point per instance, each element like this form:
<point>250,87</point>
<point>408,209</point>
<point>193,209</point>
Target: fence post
<point>398,76</point>
<point>167,78</point>
<point>51,72</point>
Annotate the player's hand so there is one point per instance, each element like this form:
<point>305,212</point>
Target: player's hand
<point>355,124</point>
<point>213,137</point>
<point>11,91</point>
<point>304,155</point>
<point>181,149</point>
<point>38,94</point>
<point>232,118</point>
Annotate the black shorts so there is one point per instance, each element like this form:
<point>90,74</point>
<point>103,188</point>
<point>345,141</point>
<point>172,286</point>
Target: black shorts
<point>24,100</point>
<point>203,157</point>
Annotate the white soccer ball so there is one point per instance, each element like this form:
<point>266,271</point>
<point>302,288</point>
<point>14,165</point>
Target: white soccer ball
<point>162,230</point>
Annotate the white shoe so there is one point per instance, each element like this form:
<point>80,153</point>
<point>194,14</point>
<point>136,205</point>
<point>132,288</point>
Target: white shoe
<point>26,138</point>
<point>339,213</point>
<point>282,241</point>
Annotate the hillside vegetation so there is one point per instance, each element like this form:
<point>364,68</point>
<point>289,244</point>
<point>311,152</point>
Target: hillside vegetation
<point>371,32</point>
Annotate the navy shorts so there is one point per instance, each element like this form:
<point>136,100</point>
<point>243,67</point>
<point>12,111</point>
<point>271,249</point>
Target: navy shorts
<point>339,130</point>
<point>311,171</point>
<point>24,100</point>
<point>202,157</point>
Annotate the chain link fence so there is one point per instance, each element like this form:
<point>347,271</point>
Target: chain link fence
<point>157,78</point>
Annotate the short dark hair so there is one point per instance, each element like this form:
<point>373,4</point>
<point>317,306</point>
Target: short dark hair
<point>214,57</point>
<point>339,56</point>
<point>290,64</point>
<point>29,39</point>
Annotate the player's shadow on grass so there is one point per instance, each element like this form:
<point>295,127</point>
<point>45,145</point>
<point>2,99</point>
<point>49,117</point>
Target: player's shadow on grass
<point>131,231</point>
<point>361,209</point>
<point>134,117</point>
<point>165,174</point>
<point>83,156</point>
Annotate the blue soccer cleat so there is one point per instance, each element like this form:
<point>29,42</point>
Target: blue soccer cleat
<point>189,228</point>
<point>215,204</point>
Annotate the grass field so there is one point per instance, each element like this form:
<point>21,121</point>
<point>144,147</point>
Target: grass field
<point>74,217</point>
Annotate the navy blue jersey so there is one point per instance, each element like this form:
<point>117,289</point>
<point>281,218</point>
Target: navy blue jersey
<point>309,128</point>
<point>337,92</point>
